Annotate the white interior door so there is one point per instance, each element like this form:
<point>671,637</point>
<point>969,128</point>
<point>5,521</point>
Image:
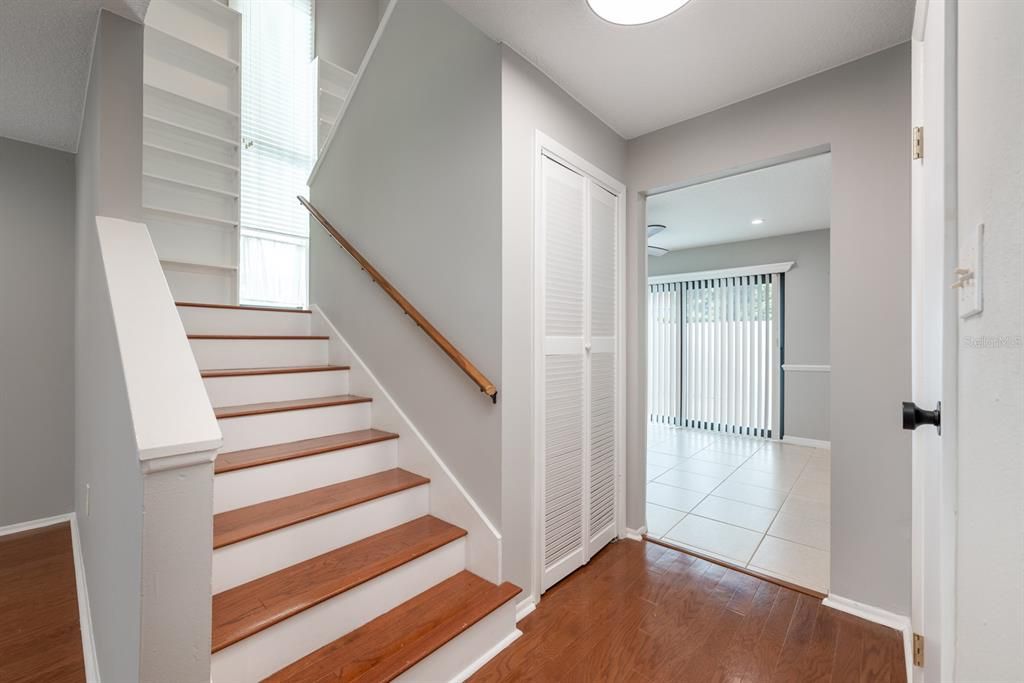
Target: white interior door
<point>562,221</point>
<point>600,351</point>
<point>579,416</point>
<point>934,336</point>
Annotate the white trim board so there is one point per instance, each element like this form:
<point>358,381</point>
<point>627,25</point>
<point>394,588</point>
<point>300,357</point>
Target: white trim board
<point>803,441</point>
<point>796,367</point>
<point>35,524</point>
<point>879,616</point>
<point>92,671</point>
<point>525,608</point>
<point>449,500</point>
<point>486,657</point>
<point>636,534</point>
<point>92,674</point>
<point>767,268</point>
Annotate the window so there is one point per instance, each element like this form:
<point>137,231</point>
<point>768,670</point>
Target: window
<point>713,353</point>
<point>278,147</point>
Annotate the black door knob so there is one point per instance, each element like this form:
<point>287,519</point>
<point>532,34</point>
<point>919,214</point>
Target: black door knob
<point>914,417</point>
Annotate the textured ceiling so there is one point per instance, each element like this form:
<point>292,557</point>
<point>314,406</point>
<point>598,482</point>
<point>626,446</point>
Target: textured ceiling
<point>45,53</point>
<point>709,54</point>
<point>790,197</point>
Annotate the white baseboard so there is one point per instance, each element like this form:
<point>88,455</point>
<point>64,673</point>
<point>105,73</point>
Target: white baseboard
<point>486,657</point>
<point>810,443</point>
<point>525,608</point>
<point>877,615</point>
<point>636,534</point>
<point>92,671</point>
<point>92,674</point>
<point>35,524</point>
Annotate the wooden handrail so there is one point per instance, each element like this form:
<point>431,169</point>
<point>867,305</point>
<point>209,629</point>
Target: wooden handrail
<point>464,363</point>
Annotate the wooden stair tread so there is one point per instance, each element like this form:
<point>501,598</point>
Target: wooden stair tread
<point>247,609</point>
<point>245,372</point>
<point>252,457</point>
<point>392,643</point>
<point>274,309</point>
<point>225,412</point>
<point>237,525</point>
<point>258,337</point>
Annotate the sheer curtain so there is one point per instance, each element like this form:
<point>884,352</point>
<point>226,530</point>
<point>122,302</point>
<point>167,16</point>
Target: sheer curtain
<point>278,147</point>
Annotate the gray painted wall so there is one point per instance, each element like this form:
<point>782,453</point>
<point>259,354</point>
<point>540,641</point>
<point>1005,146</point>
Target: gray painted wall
<point>990,445</point>
<point>108,170</point>
<point>413,180</point>
<point>343,30</point>
<point>37,299</point>
<point>862,111</point>
<point>529,102</point>
<point>807,314</point>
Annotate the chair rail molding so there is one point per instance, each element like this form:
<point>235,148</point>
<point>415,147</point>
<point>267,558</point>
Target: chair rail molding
<point>805,367</point>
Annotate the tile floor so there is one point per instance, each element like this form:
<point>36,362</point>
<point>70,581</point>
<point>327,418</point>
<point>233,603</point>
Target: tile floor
<point>750,502</point>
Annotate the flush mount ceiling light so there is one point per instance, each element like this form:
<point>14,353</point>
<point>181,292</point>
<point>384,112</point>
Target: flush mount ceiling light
<point>757,221</point>
<point>654,229</point>
<point>656,251</point>
<point>633,12</point>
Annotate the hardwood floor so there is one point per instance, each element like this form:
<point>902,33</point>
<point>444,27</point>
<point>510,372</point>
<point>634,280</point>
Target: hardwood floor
<point>643,612</point>
<point>40,639</point>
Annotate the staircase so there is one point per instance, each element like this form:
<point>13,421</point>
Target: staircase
<point>327,565</point>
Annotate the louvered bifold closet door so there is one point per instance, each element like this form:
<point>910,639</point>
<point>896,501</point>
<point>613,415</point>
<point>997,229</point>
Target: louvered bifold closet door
<point>563,218</point>
<point>601,352</point>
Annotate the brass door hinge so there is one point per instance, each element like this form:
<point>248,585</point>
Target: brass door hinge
<point>918,143</point>
<point>918,649</point>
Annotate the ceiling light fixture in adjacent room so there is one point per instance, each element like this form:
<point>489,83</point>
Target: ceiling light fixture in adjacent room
<point>634,12</point>
<point>757,221</point>
<point>653,229</point>
<point>656,251</point>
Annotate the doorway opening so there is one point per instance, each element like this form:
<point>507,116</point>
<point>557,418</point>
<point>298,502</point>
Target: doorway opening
<point>738,460</point>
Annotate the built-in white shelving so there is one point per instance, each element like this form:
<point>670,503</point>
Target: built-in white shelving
<point>191,149</point>
<point>333,84</point>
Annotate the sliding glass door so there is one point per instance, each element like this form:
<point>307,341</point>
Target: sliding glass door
<point>714,353</point>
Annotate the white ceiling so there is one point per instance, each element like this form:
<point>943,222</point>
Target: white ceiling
<point>790,197</point>
<point>45,54</point>
<point>707,55</point>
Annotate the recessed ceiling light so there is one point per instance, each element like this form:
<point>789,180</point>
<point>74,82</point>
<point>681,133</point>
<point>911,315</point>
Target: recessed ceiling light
<point>633,12</point>
<point>757,221</point>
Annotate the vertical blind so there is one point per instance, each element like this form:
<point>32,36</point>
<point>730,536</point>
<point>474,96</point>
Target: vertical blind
<point>278,147</point>
<point>712,353</point>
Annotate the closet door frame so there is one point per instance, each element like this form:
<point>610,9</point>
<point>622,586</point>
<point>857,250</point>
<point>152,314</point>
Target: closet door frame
<point>545,146</point>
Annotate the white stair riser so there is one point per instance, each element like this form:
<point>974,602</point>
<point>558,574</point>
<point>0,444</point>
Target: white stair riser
<point>244,561</point>
<point>233,391</point>
<point>252,431</point>
<point>266,482</point>
<point>232,321</point>
<point>463,655</point>
<point>225,354</point>
<point>274,648</point>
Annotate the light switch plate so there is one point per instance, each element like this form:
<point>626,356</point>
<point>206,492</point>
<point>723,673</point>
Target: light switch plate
<point>971,256</point>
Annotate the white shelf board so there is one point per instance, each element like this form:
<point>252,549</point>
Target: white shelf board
<point>197,103</point>
<point>193,131</point>
<point>183,183</point>
<point>193,48</point>
<point>191,216</point>
<point>197,264</point>
<point>193,157</point>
